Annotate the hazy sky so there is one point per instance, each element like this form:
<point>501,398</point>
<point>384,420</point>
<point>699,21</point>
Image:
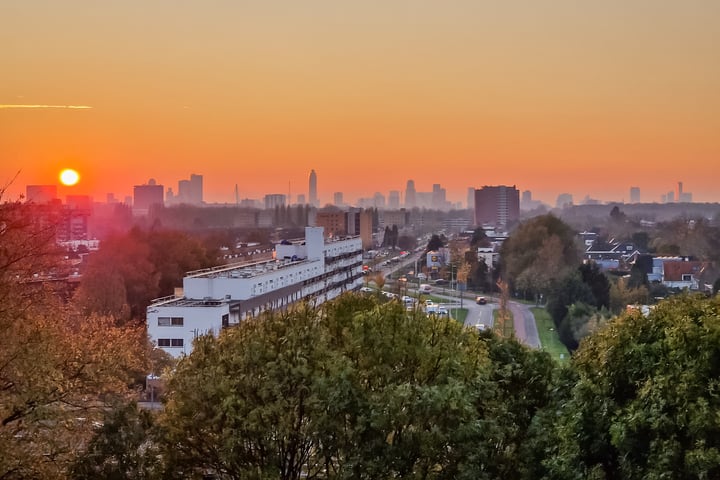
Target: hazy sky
<point>553,96</point>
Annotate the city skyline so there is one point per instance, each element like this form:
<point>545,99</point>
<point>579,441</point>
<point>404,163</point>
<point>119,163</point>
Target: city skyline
<point>581,98</point>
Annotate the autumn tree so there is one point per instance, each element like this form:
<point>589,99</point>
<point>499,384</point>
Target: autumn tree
<point>56,367</point>
<point>132,269</point>
<point>540,252</point>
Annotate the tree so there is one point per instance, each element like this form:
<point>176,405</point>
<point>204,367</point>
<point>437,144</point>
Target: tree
<point>435,243</point>
<point>479,238</point>
<point>56,367</point>
<point>569,290</point>
<point>354,390</point>
<point>644,402</point>
<point>130,270</point>
<point>124,447</point>
<point>538,253</point>
<point>598,282</point>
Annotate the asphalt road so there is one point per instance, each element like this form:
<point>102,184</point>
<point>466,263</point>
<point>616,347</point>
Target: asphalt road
<point>523,319</point>
<point>525,327</point>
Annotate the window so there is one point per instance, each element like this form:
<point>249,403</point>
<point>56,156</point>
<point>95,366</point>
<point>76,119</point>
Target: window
<point>170,321</point>
<point>687,277</point>
<point>176,342</point>
<point>170,342</point>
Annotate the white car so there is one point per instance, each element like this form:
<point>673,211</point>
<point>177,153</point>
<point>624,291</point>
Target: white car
<point>480,327</point>
<point>366,290</point>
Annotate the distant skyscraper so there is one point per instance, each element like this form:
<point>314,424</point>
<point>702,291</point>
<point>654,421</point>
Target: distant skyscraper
<point>498,205</point>
<point>438,196</point>
<point>394,199</point>
<point>682,196</point>
<point>471,198</point>
<point>273,200</point>
<point>313,196</point>
<point>634,194</point>
<point>301,199</point>
<point>189,191</point>
<point>196,189</point>
<point>410,200</point>
<point>40,193</point>
<point>526,196</point>
<point>338,198</point>
<point>145,196</point>
<point>564,200</point>
<point>379,200</point>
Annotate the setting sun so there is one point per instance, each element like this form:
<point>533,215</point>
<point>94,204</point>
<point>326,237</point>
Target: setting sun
<point>69,177</point>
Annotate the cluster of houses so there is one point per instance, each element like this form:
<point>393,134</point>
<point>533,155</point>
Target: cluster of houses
<point>675,272</point>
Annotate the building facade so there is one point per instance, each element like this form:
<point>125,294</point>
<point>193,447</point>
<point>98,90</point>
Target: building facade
<point>145,196</point>
<point>498,206</point>
<point>311,269</point>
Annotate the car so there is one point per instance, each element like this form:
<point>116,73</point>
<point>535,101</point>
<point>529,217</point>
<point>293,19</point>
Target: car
<point>366,290</point>
<point>406,299</point>
<point>390,294</point>
<point>421,276</point>
<point>480,327</point>
<point>481,300</point>
<point>441,281</point>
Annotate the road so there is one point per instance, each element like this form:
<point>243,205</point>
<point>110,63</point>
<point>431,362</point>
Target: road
<point>525,326</point>
<point>523,319</point>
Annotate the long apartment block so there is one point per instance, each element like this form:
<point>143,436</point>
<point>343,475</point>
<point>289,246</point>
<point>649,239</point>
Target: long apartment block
<point>312,269</point>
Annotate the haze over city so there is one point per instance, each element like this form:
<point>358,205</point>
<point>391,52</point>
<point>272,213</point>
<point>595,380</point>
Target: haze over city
<point>587,98</point>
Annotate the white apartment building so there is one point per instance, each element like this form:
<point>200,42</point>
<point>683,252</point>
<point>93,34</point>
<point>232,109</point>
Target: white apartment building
<point>312,269</point>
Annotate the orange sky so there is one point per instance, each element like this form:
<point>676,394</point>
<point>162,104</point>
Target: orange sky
<point>561,96</point>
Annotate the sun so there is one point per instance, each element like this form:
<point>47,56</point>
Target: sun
<point>69,177</point>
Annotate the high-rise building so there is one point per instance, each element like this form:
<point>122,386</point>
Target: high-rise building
<point>189,191</point>
<point>40,193</point>
<point>564,200</point>
<point>634,194</point>
<point>334,222</point>
<point>438,196</point>
<point>145,196</point>
<point>273,200</point>
<point>338,199</point>
<point>312,194</point>
<point>682,196</point>
<point>301,199</point>
<point>394,199</point>
<point>379,200</point>
<point>196,189</point>
<point>497,205</point>
<point>410,200</point>
<point>471,198</point>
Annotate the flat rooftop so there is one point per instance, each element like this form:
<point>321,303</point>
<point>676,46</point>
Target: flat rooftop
<point>244,269</point>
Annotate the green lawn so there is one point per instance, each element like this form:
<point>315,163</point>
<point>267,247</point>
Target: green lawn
<point>459,314</point>
<point>549,340</point>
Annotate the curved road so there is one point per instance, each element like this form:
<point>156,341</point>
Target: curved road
<point>523,319</point>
